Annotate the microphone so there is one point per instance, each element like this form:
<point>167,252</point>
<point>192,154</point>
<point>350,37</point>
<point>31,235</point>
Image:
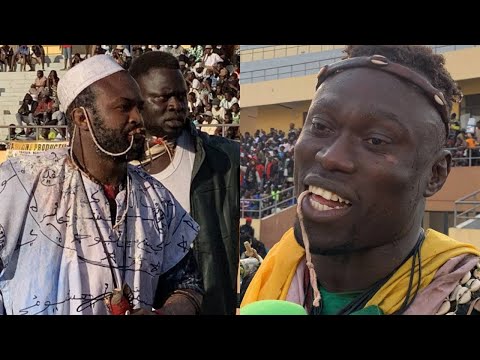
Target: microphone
<point>272,307</point>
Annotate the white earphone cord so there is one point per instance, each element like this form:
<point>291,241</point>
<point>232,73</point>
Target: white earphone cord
<point>96,142</point>
<point>124,215</point>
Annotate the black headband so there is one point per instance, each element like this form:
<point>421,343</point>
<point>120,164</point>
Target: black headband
<point>380,62</point>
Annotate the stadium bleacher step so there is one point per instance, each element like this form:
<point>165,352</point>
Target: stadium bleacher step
<point>14,86</point>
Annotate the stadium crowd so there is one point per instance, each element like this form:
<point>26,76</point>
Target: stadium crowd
<point>266,170</point>
<point>212,74</point>
<point>267,161</point>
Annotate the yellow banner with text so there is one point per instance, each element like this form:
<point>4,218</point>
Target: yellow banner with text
<point>16,148</point>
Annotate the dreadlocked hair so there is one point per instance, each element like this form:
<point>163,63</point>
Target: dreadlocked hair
<point>419,58</point>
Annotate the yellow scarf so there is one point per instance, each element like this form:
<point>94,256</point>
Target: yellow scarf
<point>274,277</point>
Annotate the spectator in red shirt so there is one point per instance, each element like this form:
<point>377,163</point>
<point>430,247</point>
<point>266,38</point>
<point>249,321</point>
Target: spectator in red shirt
<point>260,171</point>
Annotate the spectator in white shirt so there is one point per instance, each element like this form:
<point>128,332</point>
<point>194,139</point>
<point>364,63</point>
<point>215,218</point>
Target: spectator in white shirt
<point>196,88</point>
<point>218,111</point>
<point>210,58</point>
<point>177,50</point>
<point>471,124</point>
<point>189,77</point>
<point>165,48</point>
<point>228,101</point>
<point>193,102</point>
<point>208,119</point>
<point>199,71</point>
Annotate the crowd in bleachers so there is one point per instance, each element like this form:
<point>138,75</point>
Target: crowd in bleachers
<point>13,57</point>
<point>212,74</point>
<point>464,143</point>
<point>266,170</point>
<point>267,161</point>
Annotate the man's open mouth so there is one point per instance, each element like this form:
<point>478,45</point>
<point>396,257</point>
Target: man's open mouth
<point>322,205</point>
<point>138,133</point>
<point>325,200</point>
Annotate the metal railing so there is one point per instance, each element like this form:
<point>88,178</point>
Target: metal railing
<point>309,67</point>
<point>286,71</point>
<point>471,212</point>
<point>276,51</point>
<point>35,127</point>
<point>37,133</point>
<point>259,211</point>
<point>260,208</point>
<point>438,49</point>
<point>223,126</point>
<point>468,160</point>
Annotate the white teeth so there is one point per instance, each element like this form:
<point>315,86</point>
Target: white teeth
<point>328,195</point>
<point>319,207</point>
<point>315,190</point>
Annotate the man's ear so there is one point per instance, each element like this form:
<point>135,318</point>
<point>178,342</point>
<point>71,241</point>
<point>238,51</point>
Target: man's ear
<point>439,173</point>
<point>79,118</point>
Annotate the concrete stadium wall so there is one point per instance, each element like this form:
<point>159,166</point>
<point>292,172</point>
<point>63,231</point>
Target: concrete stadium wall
<point>470,236</point>
<point>274,116</point>
<point>462,65</point>
<point>274,226</point>
<point>461,181</point>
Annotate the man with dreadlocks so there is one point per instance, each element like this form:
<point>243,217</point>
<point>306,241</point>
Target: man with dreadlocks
<point>371,152</point>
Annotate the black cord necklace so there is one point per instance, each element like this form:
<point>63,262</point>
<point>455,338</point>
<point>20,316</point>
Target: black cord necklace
<point>360,301</point>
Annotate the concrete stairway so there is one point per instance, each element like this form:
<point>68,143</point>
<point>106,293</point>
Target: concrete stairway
<point>14,86</point>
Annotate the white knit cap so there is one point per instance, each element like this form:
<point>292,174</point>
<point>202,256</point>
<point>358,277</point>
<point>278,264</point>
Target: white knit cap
<point>82,75</point>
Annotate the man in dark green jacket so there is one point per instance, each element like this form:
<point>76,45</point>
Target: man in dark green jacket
<point>201,171</point>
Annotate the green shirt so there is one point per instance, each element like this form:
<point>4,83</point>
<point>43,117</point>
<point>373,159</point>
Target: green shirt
<point>332,303</point>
